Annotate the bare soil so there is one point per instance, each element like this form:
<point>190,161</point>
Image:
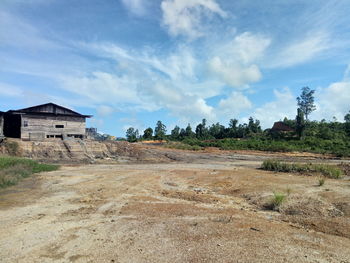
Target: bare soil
<point>210,206</point>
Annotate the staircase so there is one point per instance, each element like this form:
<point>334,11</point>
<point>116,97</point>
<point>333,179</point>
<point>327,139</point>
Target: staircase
<point>76,149</point>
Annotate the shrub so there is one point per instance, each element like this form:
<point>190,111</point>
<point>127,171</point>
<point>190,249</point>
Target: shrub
<point>336,146</point>
<point>329,171</point>
<point>321,181</point>
<point>277,200</point>
<point>14,169</point>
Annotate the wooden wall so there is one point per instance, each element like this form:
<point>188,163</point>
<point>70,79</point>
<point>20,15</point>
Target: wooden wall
<point>49,108</point>
<point>38,127</point>
<point>1,125</point>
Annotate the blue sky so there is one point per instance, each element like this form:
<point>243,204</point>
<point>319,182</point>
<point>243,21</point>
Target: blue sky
<point>133,62</point>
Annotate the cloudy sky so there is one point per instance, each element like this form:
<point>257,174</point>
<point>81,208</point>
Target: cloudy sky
<point>133,62</point>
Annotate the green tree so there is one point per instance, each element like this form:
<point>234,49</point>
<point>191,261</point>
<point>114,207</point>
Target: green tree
<point>217,131</point>
<point>202,130</point>
<point>182,134</point>
<point>189,132</point>
<point>232,130</point>
<point>132,134</point>
<point>306,101</point>
<point>347,123</point>
<point>233,124</point>
<point>148,133</point>
<point>160,131</point>
<point>254,126</point>
<point>175,133</point>
<point>300,128</point>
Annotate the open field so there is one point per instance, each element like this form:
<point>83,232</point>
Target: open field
<point>191,207</point>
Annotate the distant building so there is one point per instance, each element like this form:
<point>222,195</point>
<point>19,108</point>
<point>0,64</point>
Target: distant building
<point>91,133</point>
<point>1,124</point>
<point>280,126</point>
<point>41,122</point>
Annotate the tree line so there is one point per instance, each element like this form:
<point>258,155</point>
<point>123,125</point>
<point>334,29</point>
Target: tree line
<point>304,131</point>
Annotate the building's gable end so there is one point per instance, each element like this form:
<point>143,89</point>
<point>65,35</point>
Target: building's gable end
<point>281,126</point>
<point>50,108</point>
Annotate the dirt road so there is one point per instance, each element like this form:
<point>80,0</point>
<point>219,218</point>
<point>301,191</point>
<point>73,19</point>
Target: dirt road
<point>204,211</point>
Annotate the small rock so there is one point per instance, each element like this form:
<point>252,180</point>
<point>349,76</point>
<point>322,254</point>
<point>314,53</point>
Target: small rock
<point>255,229</point>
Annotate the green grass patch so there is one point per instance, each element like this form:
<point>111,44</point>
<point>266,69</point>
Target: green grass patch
<point>13,169</point>
<point>277,200</point>
<point>329,171</point>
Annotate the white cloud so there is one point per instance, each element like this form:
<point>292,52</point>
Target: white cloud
<point>101,87</point>
<point>16,32</point>
<point>149,82</point>
<point>7,90</point>
<point>186,107</point>
<point>347,74</point>
<point>104,110</point>
<point>333,101</point>
<point>234,74</point>
<point>302,50</point>
<point>284,105</point>
<point>235,62</point>
<point>184,17</point>
<point>136,7</point>
<point>248,48</point>
<point>234,105</point>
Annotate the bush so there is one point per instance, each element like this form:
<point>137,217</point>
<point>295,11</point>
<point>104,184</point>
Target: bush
<point>277,200</point>
<point>329,171</point>
<point>14,169</point>
<point>337,146</point>
<point>321,181</point>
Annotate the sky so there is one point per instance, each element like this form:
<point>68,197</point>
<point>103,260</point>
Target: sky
<point>130,63</point>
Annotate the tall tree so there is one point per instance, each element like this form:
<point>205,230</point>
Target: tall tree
<point>300,123</point>
<point>347,118</point>
<point>132,134</point>
<point>182,134</point>
<point>217,131</point>
<point>159,131</point>
<point>189,132</point>
<point>201,130</point>
<point>254,126</point>
<point>232,130</point>
<point>148,133</point>
<point>233,124</point>
<point>347,123</point>
<point>175,133</point>
<point>306,101</point>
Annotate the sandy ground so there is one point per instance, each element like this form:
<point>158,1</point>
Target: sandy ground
<point>207,209</point>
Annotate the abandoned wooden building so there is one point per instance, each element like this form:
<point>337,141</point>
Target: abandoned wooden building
<point>1,124</point>
<point>280,126</point>
<point>43,122</point>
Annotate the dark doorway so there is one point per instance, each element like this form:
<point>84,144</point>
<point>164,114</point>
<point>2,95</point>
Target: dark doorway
<point>12,125</point>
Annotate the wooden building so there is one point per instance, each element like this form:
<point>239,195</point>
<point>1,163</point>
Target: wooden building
<point>1,124</point>
<point>41,122</point>
<point>280,126</point>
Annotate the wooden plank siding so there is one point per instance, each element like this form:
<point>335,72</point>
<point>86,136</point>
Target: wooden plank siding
<point>39,127</point>
<point>50,108</point>
<point>1,125</point>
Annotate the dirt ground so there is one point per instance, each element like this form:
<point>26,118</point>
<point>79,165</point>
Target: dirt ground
<point>196,207</point>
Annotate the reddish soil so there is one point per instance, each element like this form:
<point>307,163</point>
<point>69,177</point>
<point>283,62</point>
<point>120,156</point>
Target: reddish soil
<point>198,207</point>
